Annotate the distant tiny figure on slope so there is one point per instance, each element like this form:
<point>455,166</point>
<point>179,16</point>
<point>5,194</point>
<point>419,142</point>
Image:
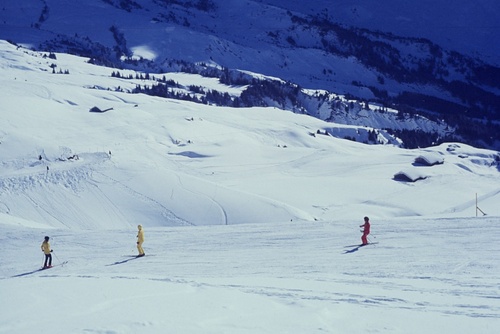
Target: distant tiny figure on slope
<point>366,231</point>
<point>47,251</point>
<point>140,240</point>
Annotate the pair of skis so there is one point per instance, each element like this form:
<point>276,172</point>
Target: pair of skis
<point>40,269</point>
<point>361,245</point>
<point>355,248</point>
<point>55,265</point>
<point>130,258</point>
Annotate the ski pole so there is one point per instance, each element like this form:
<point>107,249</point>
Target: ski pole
<point>57,258</point>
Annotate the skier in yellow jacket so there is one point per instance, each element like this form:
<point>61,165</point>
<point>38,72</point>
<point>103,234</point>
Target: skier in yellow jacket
<point>140,240</point>
<point>47,251</point>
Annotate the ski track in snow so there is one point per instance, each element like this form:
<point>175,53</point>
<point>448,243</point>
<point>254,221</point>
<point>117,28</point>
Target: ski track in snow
<point>211,199</point>
<point>169,215</point>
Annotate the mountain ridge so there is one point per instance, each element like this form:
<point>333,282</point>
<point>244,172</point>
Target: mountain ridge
<point>307,47</point>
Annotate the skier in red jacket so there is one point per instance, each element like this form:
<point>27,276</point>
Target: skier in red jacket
<point>366,230</point>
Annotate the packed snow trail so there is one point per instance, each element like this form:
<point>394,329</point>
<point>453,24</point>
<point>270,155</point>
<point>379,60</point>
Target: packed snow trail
<point>423,275</point>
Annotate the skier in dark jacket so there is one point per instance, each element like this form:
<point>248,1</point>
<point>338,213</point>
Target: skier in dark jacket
<point>366,231</point>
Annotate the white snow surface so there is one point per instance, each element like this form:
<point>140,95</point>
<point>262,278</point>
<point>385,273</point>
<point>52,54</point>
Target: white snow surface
<point>251,223</point>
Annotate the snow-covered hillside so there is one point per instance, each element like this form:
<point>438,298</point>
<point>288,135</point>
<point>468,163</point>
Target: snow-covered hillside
<point>422,57</point>
<point>247,214</point>
<point>172,153</point>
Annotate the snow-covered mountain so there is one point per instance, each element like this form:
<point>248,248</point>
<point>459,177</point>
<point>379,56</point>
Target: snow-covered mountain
<point>467,27</point>
<point>410,58</point>
<point>83,136</point>
<point>251,215</point>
